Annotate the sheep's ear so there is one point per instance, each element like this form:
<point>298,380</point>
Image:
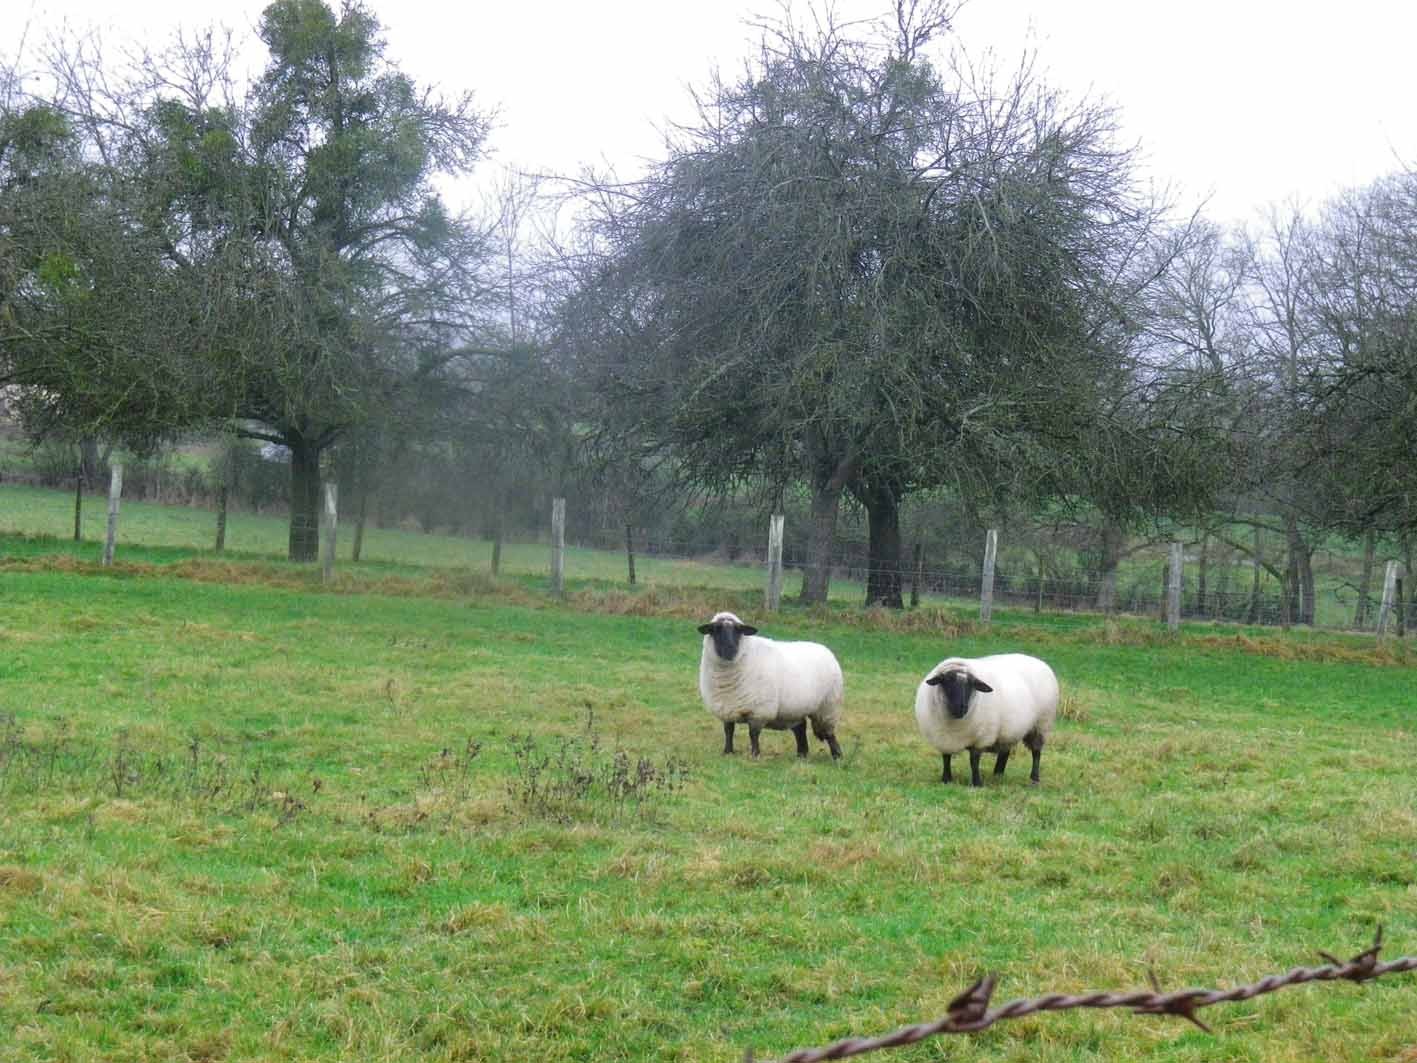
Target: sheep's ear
<point>980,685</point>
<point>935,680</point>
<point>705,629</point>
<point>747,629</point>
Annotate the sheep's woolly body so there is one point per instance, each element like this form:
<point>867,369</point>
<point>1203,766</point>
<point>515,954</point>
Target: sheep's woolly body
<point>1024,699</point>
<point>773,684</point>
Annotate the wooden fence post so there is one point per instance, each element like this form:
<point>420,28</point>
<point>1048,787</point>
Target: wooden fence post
<point>630,551</point>
<point>221,500</point>
<point>1173,590</point>
<point>361,515</point>
<point>115,492</point>
<point>558,546</point>
<point>1401,606</point>
<point>918,574</point>
<point>327,548</point>
<point>774,592</point>
<point>79,503</point>
<point>986,586</point>
<point>1389,593</point>
<point>498,526</point>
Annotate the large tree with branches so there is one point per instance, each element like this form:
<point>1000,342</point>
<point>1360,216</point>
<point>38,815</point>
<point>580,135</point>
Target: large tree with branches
<point>868,273</point>
<point>313,280</point>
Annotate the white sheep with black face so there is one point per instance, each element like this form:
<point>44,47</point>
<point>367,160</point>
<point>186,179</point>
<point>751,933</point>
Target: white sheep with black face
<point>987,705</point>
<point>747,678</point>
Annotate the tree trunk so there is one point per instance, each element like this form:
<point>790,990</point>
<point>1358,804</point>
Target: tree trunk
<point>361,514</point>
<point>79,503</point>
<point>1365,580</point>
<point>1299,575</point>
<point>919,575</point>
<point>1113,539</point>
<point>221,499</point>
<point>821,535</point>
<point>304,499</point>
<point>1221,598</point>
<point>883,584</point>
<point>1254,611</point>
<point>1201,575</point>
<point>91,462</point>
<point>821,531</point>
<point>1307,604</point>
<point>1407,567</point>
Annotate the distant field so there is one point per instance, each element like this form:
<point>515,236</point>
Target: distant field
<point>241,819</point>
<point>41,512</point>
<point>165,533</point>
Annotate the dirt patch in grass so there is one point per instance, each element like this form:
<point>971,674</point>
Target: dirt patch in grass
<point>20,880</point>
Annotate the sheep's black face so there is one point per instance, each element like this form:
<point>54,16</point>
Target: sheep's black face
<point>727,636</point>
<point>957,687</point>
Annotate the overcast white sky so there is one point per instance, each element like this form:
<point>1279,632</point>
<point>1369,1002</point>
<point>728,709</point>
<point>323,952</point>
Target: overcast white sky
<point>1247,101</point>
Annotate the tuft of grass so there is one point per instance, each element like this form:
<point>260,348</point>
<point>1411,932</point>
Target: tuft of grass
<point>578,777</point>
<point>1072,707</point>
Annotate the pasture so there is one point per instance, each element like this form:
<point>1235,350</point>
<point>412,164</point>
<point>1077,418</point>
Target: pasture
<point>434,816</point>
<point>164,532</point>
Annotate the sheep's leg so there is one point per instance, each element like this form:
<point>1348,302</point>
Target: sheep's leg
<point>974,777</point>
<point>1001,760</point>
<point>753,733</point>
<point>800,733</point>
<point>946,777</point>
<point>727,737</point>
<point>827,737</point>
<point>1034,741</point>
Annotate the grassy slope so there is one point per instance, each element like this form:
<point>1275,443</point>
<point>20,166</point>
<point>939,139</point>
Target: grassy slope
<point>1216,809</point>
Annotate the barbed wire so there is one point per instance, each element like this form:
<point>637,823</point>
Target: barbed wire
<point>969,1012</point>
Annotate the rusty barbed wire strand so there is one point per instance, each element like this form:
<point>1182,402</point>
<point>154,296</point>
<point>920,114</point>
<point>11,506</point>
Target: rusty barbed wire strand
<point>969,1012</point>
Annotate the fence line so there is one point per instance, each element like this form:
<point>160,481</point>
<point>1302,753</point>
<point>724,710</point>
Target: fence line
<point>970,1012</point>
<point>1228,594</point>
<point>1057,594</point>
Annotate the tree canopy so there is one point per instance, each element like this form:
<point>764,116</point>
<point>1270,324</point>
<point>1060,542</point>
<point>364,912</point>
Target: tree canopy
<point>875,274</point>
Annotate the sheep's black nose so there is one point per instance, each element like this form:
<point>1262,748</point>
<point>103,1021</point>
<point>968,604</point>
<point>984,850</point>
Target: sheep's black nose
<point>725,642</point>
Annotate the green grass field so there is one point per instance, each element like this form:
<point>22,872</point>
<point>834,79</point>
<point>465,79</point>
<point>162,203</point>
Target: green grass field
<point>242,817</point>
<point>158,533</point>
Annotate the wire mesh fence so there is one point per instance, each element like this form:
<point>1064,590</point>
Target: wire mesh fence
<point>1038,570</point>
<point>1231,590</point>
